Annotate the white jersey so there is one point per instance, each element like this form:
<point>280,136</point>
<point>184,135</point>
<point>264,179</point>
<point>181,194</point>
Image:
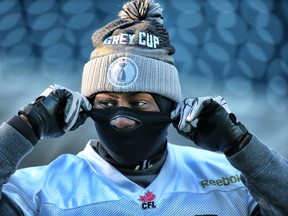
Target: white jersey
<point>191,182</point>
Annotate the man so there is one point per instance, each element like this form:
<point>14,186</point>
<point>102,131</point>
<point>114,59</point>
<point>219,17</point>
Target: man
<point>130,88</point>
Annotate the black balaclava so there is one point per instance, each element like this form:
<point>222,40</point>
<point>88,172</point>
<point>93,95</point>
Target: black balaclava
<point>147,141</point>
<point>133,146</point>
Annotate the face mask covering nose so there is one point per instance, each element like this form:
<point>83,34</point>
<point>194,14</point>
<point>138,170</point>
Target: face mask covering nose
<point>131,145</point>
<point>125,123</point>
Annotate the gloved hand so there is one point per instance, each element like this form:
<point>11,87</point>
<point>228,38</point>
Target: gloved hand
<point>56,111</point>
<point>217,129</point>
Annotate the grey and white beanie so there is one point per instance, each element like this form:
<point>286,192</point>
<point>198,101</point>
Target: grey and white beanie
<point>133,54</point>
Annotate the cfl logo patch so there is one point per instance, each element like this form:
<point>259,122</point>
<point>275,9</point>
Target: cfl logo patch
<point>148,200</point>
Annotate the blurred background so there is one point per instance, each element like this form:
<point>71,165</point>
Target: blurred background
<point>235,48</point>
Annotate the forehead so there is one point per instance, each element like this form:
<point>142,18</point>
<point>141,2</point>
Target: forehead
<point>125,95</point>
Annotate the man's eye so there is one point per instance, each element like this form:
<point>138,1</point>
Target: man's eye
<point>105,104</point>
<point>138,103</point>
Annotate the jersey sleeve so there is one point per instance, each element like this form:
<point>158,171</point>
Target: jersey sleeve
<point>13,147</point>
<point>265,174</point>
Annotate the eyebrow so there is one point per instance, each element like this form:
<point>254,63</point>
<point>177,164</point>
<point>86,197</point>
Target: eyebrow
<point>115,95</point>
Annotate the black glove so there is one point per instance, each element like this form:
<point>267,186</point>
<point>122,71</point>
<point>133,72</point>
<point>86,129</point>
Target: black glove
<point>216,129</point>
<point>56,111</point>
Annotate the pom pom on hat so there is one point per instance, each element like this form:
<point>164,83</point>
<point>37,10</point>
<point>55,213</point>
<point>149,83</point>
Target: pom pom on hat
<point>141,10</point>
<point>133,54</point>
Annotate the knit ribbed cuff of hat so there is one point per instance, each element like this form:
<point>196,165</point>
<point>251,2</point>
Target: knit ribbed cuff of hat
<point>153,76</point>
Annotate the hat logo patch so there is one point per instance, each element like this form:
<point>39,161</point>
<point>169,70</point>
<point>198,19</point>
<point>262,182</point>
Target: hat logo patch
<point>122,72</point>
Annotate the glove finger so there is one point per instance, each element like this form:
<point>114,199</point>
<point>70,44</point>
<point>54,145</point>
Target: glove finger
<point>75,101</point>
<point>188,131</point>
<point>222,102</point>
<point>197,108</point>
<point>78,105</point>
<point>185,110</point>
<point>176,113</point>
<point>73,112</point>
<point>187,128</point>
<point>70,122</point>
<point>50,89</point>
<point>80,121</point>
<point>79,115</point>
<point>72,105</point>
<point>85,104</point>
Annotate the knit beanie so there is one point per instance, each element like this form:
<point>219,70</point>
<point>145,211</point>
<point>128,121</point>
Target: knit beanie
<point>133,54</point>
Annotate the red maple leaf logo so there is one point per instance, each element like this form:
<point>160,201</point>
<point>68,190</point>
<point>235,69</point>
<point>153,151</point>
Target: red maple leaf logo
<point>148,197</point>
